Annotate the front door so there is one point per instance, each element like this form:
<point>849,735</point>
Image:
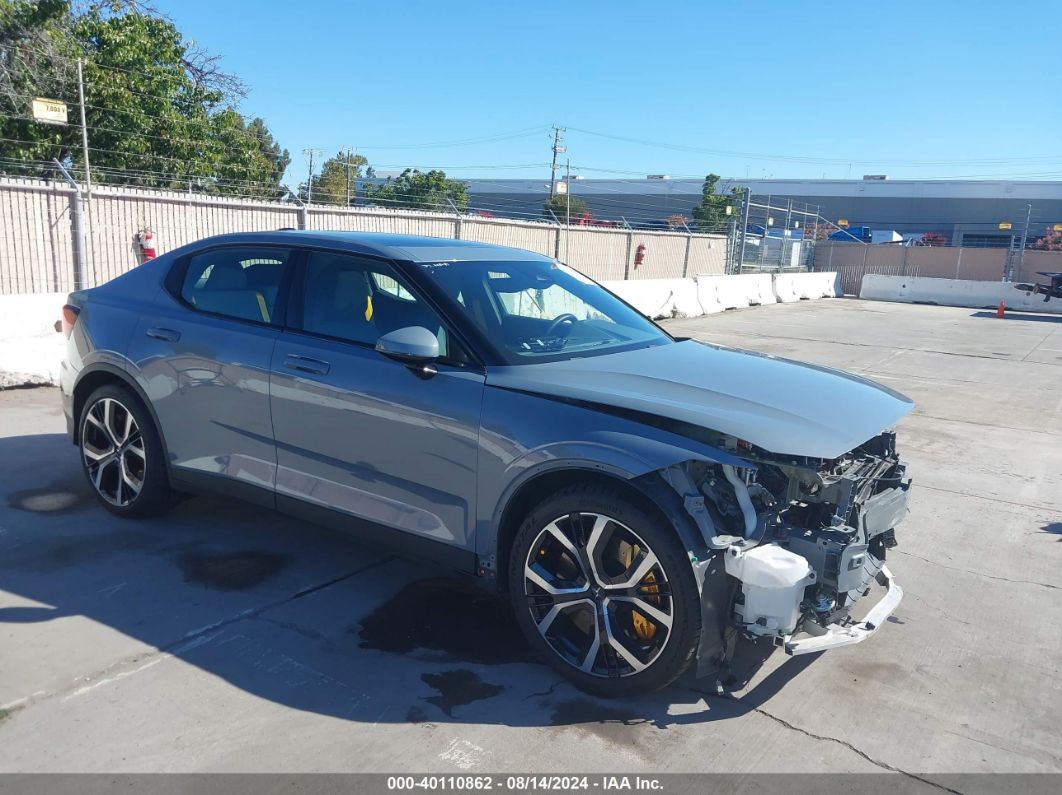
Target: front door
<point>364,435</point>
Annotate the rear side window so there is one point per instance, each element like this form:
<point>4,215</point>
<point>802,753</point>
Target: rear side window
<point>240,283</point>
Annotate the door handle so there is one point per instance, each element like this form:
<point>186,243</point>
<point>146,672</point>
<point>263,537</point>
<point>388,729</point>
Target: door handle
<point>165,334</point>
<point>304,364</point>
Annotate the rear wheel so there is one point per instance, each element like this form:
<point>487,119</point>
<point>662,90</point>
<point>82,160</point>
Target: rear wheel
<point>121,453</point>
<point>604,592</point>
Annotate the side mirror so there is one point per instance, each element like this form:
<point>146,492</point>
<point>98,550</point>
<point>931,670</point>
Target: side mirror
<point>411,345</point>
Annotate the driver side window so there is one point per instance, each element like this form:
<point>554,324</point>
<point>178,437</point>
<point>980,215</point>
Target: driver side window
<point>358,300</point>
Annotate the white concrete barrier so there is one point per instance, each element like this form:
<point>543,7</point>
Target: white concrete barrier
<point>30,348</point>
<point>803,286</point>
<point>708,294</point>
<point>659,298</point>
<point>953,292</point>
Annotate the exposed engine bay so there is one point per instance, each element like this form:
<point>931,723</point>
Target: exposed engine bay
<point>801,540</point>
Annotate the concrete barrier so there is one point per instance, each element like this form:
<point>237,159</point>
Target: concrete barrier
<point>708,294</point>
<point>953,292</point>
<point>659,298</point>
<point>30,348</point>
<point>790,287</point>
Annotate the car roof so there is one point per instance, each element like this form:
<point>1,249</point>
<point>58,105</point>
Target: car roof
<point>415,248</point>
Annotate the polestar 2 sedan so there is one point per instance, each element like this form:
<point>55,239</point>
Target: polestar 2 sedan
<point>641,499</point>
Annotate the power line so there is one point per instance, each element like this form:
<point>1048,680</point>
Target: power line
<point>815,160</point>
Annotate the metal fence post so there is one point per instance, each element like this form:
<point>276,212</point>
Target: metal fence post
<point>627,259</point>
<point>744,229</point>
<point>302,216</point>
<point>457,218</point>
<point>77,218</point>
<point>556,240</point>
<point>686,258</point>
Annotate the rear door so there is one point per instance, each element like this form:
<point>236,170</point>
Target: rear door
<point>360,434</point>
<point>202,355</point>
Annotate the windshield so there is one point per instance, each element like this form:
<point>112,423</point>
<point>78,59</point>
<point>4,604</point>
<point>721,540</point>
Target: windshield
<point>535,310</point>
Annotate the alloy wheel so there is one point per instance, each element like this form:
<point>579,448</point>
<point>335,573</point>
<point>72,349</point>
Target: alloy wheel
<point>112,448</point>
<point>598,595</point>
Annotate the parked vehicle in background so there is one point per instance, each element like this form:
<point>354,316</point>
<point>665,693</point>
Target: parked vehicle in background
<point>640,498</point>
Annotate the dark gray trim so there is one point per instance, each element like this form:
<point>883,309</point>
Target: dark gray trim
<point>406,545</point>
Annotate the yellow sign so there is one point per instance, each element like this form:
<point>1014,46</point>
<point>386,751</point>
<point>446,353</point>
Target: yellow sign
<point>49,111</point>
<point>842,222</point>
<point>1004,225</point>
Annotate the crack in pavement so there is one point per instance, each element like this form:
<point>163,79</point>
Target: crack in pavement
<point>977,573</point>
<point>1034,505</point>
<point>186,642</point>
<point>825,738</point>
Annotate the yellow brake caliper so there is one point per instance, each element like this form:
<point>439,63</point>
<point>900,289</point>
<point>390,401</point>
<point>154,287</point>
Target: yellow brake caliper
<point>643,627</point>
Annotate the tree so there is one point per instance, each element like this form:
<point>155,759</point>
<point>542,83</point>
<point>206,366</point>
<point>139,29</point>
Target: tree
<point>710,215</point>
<point>337,182</point>
<point>419,190</point>
<point>160,112</point>
<point>558,205</point>
<point>1052,241</point>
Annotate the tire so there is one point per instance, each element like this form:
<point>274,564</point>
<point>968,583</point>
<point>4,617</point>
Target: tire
<point>122,455</point>
<point>589,559</point>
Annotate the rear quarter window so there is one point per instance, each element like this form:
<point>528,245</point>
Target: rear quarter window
<point>241,283</point>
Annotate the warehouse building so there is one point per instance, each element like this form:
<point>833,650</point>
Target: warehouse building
<point>964,212</point>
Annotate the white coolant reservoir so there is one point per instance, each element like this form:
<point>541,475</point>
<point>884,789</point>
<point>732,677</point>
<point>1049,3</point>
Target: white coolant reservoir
<point>773,581</point>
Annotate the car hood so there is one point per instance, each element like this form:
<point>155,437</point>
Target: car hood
<point>782,406</point>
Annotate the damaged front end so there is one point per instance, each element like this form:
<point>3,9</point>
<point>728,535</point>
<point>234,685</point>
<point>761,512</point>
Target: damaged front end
<point>794,543</point>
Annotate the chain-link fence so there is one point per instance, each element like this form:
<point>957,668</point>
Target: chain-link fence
<point>775,235</point>
<point>852,261</point>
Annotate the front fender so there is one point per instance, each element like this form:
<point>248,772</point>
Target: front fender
<point>524,436</point>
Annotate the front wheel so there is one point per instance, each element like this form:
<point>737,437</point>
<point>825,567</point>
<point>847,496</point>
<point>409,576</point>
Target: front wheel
<point>604,592</point>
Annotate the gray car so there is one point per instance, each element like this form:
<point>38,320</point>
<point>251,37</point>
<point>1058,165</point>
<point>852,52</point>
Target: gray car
<point>643,500</point>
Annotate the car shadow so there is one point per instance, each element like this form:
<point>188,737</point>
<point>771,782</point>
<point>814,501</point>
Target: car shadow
<point>1012,315</point>
<point>1055,528</point>
<point>293,613</point>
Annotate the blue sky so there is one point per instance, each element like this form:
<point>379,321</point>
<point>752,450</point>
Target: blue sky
<point>799,89</point>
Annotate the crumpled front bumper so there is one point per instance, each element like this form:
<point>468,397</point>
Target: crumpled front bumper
<point>837,635</point>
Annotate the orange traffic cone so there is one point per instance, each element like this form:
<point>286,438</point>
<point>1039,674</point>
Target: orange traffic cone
<point>1001,309</point>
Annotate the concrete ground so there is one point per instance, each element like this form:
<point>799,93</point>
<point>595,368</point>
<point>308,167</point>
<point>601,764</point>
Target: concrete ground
<point>225,638</point>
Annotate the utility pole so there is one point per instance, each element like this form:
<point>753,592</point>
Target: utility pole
<point>558,148</point>
<point>309,180</point>
<point>348,177</point>
<point>84,129</point>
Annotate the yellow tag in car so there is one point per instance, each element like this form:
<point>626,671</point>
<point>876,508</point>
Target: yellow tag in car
<point>368,307</point>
